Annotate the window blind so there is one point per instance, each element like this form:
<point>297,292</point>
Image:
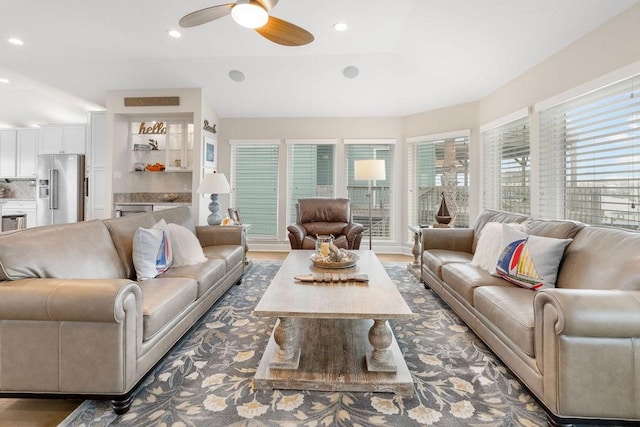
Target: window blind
<point>381,190</point>
<point>254,187</point>
<point>311,174</point>
<point>435,165</point>
<point>506,164</point>
<point>590,157</point>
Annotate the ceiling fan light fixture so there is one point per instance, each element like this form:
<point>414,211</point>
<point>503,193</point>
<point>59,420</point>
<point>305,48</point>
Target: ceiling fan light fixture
<point>249,14</point>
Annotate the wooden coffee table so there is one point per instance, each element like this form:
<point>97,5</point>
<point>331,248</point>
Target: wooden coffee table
<point>333,336</point>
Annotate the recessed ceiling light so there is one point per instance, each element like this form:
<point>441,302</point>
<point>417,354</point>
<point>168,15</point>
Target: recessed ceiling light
<point>340,26</point>
<point>4,80</point>
<point>351,72</point>
<point>16,41</point>
<point>236,75</point>
<point>174,33</point>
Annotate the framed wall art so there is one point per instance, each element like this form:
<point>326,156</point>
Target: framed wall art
<point>210,153</point>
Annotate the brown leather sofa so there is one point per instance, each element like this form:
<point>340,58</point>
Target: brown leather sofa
<point>324,216</point>
<point>75,322</point>
<point>576,346</point>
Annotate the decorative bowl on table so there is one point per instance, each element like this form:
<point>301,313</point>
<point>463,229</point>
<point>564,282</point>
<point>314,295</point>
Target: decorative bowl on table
<point>327,262</point>
<point>169,197</point>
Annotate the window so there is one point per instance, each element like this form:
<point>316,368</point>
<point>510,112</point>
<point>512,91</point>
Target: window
<point>310,172</point>
<point>254,185</point>
<point>437,164</point>
<point>506,164</point>
<point>590,157</point>
<point>381,190</point>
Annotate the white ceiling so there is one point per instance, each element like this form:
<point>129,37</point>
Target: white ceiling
<point>413,55</point>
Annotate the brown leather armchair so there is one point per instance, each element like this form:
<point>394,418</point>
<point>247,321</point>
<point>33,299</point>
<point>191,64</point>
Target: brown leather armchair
<point>324,216</point>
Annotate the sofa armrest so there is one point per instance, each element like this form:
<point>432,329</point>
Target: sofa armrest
<point>591,313</point>
<point>81,300</point>
<point>586,340</point>
<point>453,239</point>
<point>220,235</point>
<point>351,231</point>
<point>298,232</point>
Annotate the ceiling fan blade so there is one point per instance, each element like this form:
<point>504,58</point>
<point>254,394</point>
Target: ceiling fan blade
<point>284,33</point>
<point>268,4</point>
<point>203,16</point>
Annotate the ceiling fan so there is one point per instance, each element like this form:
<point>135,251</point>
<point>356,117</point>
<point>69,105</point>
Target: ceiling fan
<point>252,14</point>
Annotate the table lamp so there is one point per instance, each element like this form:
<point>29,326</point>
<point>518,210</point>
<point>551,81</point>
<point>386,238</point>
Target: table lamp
<point>214,183</point>
<point>369,170</point>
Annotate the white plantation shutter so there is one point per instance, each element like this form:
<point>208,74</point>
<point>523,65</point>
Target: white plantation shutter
<point>506,165</point>
<point>254,186</point>
<point>590,157</point>
<point>311,172</point>
<point>426,168</point>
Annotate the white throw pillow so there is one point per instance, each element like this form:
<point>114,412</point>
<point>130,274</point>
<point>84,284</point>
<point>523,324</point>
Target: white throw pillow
<point>490,247</point>
<point>530,261</point>
<point>151,252</point>
<point>186,246</point>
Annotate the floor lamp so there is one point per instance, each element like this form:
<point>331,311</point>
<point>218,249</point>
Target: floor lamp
<point>214,183</point>
<point>369,170</point>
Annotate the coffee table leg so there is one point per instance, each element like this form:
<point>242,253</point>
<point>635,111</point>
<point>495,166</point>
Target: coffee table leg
<point>380,338</point>
<point>285,335</point>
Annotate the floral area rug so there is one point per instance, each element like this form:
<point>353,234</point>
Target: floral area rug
<point>207,380</point>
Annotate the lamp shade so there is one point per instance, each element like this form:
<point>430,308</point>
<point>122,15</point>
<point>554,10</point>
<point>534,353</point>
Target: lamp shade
<point>369,170</point>
<point>214,183</point>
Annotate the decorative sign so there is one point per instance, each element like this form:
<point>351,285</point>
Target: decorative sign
<point>157,128</point>
<point>209,128</point>
<point>151,101</point>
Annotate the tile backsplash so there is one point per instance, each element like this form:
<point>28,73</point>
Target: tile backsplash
<point>18,189</point>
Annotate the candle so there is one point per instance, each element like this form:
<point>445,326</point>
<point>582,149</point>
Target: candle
<point>324,249</point>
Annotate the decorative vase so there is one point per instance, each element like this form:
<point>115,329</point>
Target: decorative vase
<point>443,216</point>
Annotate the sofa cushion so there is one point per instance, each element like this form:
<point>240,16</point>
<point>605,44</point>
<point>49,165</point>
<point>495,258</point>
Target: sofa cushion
<point>510,309</point>
<point>530,261</point>
<point>490,247</point>
<point>53,251</point>
<point>464,278</point>
<point>557,229</point>
<point>152,253</point>
<point>162,300</point>
<point>122,231</point>
<point>206,274</point>
<point>434,259</point>
<point>180,215</point>
<point>186,246</point>
<point>231,254</point>
<point>490,215</point>
<point>601,258</point>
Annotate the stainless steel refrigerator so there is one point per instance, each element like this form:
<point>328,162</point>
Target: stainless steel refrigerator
<point>61,188</point>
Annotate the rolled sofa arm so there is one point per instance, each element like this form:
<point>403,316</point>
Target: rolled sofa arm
<point>223,235</point>
<point>81,300</point>
<point>591,313</point>
<point>298,232</point>
<point>585,340</point>
<point>453,239</point>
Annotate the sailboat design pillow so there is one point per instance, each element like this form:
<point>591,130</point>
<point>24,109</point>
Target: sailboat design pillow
<point>151,252</point>
<point>530,261</point>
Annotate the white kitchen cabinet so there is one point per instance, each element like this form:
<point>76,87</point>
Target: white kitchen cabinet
<point>27,150</point>
<point>17,207</point>
<point>63,139</point>
<point>8,150</point>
